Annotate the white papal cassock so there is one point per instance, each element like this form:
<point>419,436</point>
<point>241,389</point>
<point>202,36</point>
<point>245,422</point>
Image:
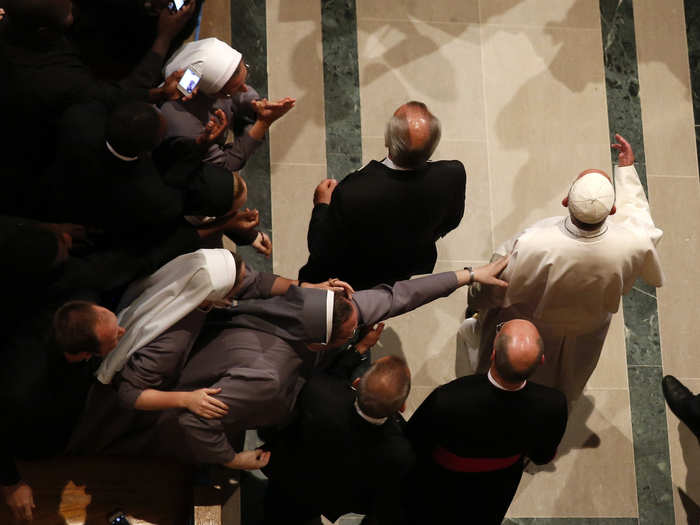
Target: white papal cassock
<point>569,281</point>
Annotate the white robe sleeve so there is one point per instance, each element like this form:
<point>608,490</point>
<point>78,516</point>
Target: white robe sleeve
<point>633,212</point>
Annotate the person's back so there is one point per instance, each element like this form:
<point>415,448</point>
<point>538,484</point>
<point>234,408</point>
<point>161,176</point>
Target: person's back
<point>334,459</point>
<point>380,224</point>
<point>388,220</point>
<point>472,435</point>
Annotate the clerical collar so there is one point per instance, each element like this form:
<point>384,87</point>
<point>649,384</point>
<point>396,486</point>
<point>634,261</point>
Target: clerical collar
<point>119,155</point>
<point>390,164</point>
<point>578,232</point>
<point>501,387</point>
<point>373,420</point>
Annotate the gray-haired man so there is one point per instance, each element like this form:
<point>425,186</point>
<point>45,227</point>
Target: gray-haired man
<point>380,224</point>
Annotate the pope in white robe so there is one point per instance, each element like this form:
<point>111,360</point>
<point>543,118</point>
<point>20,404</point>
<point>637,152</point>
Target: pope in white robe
<point>567,274</point>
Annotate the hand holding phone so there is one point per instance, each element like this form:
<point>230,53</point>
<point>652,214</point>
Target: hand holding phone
<point>176,5</point>
<point>189,81</point>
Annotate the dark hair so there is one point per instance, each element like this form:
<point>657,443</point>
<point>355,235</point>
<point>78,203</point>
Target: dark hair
<point>385,387</point>
<point>398,141</point>
<point>342,311</point>
<point>505,367</point>
<point>74,328</point>
<point>133,128</point>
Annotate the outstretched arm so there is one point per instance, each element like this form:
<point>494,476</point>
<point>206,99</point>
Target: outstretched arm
<point>384,302</point>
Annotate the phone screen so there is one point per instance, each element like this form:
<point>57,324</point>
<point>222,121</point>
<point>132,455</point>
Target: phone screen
<point>189,80</point>
<point>176,5</point>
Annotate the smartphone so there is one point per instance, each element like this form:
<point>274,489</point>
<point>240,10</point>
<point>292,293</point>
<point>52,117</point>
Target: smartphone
<point>118,518</point>
<point>189,81</point>
<point>176,5</point>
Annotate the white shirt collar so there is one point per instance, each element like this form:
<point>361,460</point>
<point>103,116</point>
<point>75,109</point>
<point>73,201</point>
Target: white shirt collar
<point>119,155</point>
<point>578,232</point>
<point>374,420</point>
<point>498,385</point>
<point>390,164</point>
<point>329,314</point>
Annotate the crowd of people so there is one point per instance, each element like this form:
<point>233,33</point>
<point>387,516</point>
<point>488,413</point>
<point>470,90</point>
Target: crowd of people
<point>129,330</point>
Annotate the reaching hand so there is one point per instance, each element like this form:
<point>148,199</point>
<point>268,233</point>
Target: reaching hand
<point>334,285</point>
<point>263,244</point>
<point>244,220</point>
<point>268,111</point>
<point>250,459</point>
<point>20,499</point>
<point>324,191</point>
<point>487,274</point>
<point>216,125</point>
<point>370,339</point>
<point>626,154</point>
<point>202,403</point>
<point>2,13</point>
<point>170,24</point>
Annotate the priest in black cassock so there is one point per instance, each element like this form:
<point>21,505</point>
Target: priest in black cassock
<point>471,436</point>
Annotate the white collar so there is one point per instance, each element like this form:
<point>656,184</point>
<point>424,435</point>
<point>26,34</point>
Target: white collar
<point>390,164</point>
<point>329,314</point>
<point>374,420</point>
<point>578,232</point>
<point>498,385</point>
<point>119,155</point>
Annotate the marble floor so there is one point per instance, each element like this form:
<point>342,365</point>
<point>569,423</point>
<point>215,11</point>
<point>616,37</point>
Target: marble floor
<point>529,93</point>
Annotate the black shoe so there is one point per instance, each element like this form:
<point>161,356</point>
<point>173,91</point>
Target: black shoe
<point>678,398</point>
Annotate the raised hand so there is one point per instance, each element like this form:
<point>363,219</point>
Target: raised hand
<point>370,339</point>
<point>263,244</point>
<point>625,155</point>
<point>216,125</point>
<point>20,499</point>
<point>202,403</point>
<point>170,24</point>
<point>324,191</point>
<point>269,111</point>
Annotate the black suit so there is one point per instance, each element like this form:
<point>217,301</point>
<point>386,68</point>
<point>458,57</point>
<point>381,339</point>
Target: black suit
<point>382,224</point>
<point>470,438</point>
<point>331,461</point>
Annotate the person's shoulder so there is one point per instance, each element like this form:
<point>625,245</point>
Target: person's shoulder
<point>452,167</point>
<point>548,400</point>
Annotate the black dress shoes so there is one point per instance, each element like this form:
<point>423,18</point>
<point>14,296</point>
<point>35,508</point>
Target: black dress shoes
<point>679,400</point>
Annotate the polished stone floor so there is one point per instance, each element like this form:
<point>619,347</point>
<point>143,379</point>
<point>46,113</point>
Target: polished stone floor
<point>530,93</point>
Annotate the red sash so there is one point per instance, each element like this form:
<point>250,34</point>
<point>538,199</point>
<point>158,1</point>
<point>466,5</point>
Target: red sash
<point>450,461</point>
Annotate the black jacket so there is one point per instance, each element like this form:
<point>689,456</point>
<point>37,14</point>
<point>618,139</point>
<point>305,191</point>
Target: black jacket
<point>382,224</point>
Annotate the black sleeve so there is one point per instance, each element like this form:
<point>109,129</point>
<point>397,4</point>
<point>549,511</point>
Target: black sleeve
<point>345,362</point>
<point>421,428</point>
<point>550,434</point>
<point>456,210</point>
<point>9,475</point>
<point>319,238</point>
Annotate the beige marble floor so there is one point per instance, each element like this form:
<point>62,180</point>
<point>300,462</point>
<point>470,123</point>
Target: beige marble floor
<point>674,193</point>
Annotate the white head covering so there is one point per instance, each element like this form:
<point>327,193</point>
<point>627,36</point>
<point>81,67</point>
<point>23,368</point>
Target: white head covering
<point>152,305</point>
<point>216,61</point>
<point>591,198</point>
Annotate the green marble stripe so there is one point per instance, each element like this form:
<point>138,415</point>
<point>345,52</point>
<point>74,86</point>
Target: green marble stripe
<point>692,26</point>
<point>249,36</point>
<point>341,87</point>
<point>651,454</point>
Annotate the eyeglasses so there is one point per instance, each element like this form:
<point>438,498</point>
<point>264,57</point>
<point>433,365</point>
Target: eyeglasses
<point>499,326</point>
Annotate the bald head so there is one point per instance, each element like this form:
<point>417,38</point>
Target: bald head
<point>384,387</point>
<point>411,135</point>
<point>518,350</point>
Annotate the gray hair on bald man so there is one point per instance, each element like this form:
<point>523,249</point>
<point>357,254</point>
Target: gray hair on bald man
<point>397,136</point>
<point>384,387</point>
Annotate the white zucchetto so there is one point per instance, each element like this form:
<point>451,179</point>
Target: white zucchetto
<point>591,198</point>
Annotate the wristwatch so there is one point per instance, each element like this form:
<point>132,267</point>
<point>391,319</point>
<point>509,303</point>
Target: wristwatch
<point>471,275</point>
